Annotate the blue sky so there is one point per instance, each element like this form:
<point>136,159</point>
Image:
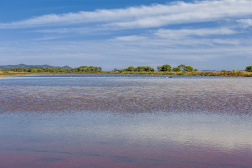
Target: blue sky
<point>208,35</point>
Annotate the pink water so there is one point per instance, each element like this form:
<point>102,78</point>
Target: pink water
<point>126,123</point>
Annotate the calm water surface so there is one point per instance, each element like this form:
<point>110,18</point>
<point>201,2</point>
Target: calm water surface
<point>126,122</point>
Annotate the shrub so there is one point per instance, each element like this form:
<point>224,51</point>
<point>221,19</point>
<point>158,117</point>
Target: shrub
<point>249,68</point>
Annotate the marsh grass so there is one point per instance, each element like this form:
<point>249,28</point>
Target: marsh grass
<point>13,73</point>
<point>195,73</point>
<point>212,73</point>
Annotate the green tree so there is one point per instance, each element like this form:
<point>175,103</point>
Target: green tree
<point>121,70</point>
<point>55,69</point>
<point>182,67</point>
<point>39,70</point>
<point>130,68</point>
<point>249,68</point>
<point>165,67</point>
<point>149,69</point>
<point>20,69</point>
<point>140,69</point>
<point>189,68</point>
<point>82,69</point>
<point>176,69</point>
<point>45,69</point>
<point>114,70</point>
<point>195,69</point>
<point>33,70</point>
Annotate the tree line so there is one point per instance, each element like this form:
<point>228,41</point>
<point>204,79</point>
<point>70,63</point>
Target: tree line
<point>92,69</point>
<point>137,69</point>
<point>180,68</point>
<point>81,69</point>
<point>163,68</point>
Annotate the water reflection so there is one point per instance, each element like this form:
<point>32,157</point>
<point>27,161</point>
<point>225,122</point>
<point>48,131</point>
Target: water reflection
<point>126,123</point>
<point>107,139</point>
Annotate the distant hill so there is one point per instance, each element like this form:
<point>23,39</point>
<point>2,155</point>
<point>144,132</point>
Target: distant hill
<point>28,66</point>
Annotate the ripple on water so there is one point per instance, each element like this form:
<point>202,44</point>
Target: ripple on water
<point>126,122</point>
<point>232,95</point>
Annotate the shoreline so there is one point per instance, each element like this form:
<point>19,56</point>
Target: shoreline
<point>161,74</point>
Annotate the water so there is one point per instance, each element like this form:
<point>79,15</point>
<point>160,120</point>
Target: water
<point>119,76</point>
<point>132,122</point>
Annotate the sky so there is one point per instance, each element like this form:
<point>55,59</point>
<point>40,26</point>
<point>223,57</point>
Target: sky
<point>208,35</point>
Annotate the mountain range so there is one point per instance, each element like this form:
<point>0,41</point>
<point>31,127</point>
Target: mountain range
<point>28,66</point>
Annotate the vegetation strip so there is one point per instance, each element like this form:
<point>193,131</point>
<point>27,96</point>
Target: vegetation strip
<point>74,77</point>
<point>181,70</point>
<point>102,77</point>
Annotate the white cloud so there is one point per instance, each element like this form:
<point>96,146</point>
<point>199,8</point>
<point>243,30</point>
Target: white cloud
<point>122,50</point>
<point>226,41</point>
<point>245,22</point>
<point>167,33</point>
<point>149,47</point>
<point>67,30</point>
<point>130,38</point>
<point>62,30</point>
<point>145,16</point>
<point>47,38</point>
<point>184,37</point>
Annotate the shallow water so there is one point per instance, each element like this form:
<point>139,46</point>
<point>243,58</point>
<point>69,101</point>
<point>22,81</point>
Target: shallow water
<point>117,75</point>
<point>126,122</point>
